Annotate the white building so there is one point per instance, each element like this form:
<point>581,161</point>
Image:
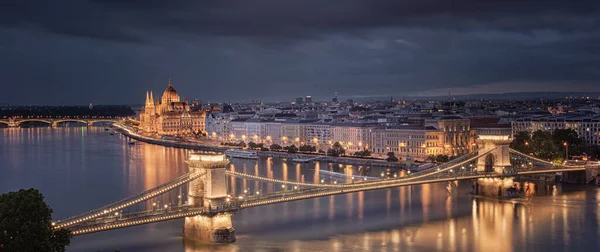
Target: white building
<point>353,136</point>
<point>319,134</point>
<point>217,126</point>
<point>588,128</point>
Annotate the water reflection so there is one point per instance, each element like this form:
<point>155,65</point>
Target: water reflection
<point>78,172</point>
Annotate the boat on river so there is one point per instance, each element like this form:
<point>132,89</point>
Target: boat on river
<point>237,153</point>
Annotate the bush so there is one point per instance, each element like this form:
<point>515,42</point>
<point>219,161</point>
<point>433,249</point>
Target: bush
<point>336,150</point>
<point>275,147</point>
<point>364,153</point>
<point>291,149</point>
<point>307,148</point>
<point>392,157</point>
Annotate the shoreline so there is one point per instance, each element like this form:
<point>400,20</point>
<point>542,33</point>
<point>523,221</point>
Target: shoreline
<point>168,143</point>
<point>193,146</point>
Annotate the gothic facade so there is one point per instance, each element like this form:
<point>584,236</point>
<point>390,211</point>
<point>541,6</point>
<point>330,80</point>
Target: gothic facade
<point>169,116</point>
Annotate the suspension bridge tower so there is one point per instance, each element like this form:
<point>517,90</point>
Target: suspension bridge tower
<point>209,192</point>
<point>497,139</point>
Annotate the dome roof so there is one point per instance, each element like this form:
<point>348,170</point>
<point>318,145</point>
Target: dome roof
<point>170,94</point>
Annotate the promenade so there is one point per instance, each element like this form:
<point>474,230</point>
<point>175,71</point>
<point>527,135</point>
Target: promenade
<point>207,147</point>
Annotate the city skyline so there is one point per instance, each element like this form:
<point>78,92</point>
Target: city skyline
<point>104,52</point>
<point>300,125</point>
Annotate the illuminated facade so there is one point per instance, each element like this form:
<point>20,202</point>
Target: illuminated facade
<point>448,135</point>
<point>352,136</point>
<point>587,128</point>
<point>170,116</point>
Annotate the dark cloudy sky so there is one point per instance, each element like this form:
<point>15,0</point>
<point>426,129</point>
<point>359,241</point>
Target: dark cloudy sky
<point>111,51</point>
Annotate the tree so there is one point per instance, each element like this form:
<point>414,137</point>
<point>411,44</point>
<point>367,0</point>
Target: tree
<point>430,158</point>
<point>570,138</point>
<point>442,158</point>
<point>275,147</point>
<point>336,150</point>
<point>26,224</point>
<point>307,148</point>
<point>252,145</point>
<point>291,149</point>
<point>392,157</point>
<point>522,142</point>
<point>543,145</point>
<point>364,153</point>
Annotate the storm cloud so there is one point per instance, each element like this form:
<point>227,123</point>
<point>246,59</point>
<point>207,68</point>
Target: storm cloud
<point>112,51</point>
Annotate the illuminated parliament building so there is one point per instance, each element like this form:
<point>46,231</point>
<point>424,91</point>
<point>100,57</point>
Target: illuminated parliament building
<point>170,116</point>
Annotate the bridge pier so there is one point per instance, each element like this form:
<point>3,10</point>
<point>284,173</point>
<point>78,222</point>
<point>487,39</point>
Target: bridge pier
<point>497,140</point>
<point>209,191</point>
<point>12,123</point>
<point>212,228</point>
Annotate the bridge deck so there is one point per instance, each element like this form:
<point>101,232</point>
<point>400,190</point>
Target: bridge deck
<point>98,219</point>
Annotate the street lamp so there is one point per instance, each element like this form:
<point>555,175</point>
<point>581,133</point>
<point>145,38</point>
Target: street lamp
<point>566,150</point>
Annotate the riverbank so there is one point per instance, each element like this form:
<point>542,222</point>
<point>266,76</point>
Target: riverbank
<point>168,143</point>
<point>196,146</point>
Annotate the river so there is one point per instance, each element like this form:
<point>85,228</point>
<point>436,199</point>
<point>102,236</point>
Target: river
<point>78,169</point>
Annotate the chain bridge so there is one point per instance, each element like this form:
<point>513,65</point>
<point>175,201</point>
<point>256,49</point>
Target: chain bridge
<point>208,205</point>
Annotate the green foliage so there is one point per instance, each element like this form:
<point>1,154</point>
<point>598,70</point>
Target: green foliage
<point>392,157</point>
<point>558,160</point>
<point>291,149</point>
<point>364,153</point>
<point>551,145</point>
<point>442,158</point>
<point>543,145</point>
<point>26,224</point>
<point>275,147</point>
<point>198,134</point>
<point>336,150</point>
<point>240,144</point>
<point>255,146</point>
<point>252,145</point>
<point>307,148</point>
<point>521,142</point>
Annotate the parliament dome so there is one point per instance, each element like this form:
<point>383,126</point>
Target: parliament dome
<point>170,94</point>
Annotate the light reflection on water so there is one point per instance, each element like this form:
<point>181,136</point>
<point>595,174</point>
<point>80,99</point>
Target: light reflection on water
<point>77,172</point>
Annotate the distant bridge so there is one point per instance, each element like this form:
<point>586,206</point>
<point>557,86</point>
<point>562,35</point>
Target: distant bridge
<point>53,122</point>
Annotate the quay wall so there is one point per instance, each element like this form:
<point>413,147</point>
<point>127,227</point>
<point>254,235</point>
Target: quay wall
<point>195,146</point>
